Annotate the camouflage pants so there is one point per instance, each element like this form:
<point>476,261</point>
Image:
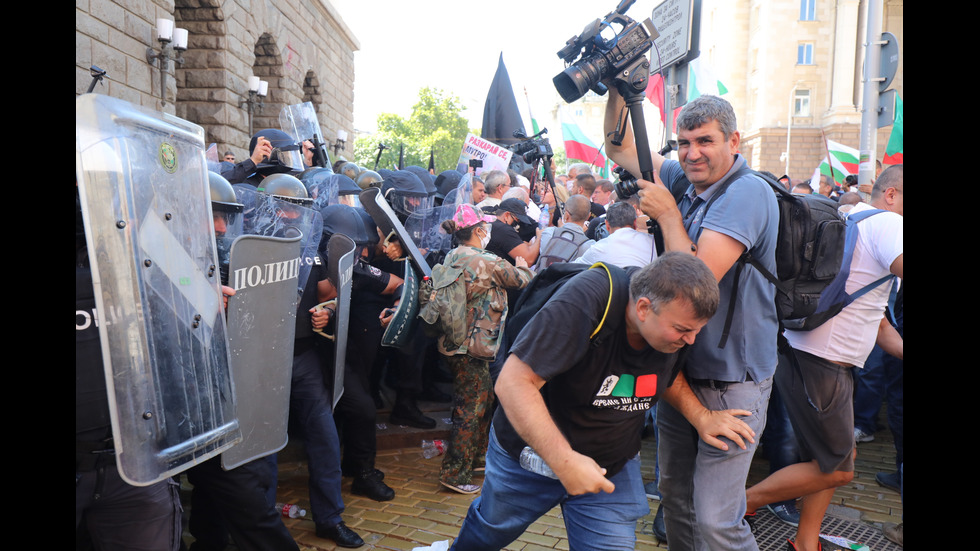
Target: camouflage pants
<point>472,410</point>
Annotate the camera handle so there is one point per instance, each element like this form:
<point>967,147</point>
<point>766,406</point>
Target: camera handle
<point>634,110</point>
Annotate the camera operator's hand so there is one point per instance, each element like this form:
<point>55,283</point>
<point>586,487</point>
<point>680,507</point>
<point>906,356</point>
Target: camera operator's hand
<point>656,201</point>
<point>262,151</point>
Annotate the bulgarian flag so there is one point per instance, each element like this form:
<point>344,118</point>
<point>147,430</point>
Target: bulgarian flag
<point>534,122</point>
<point>578,145</point>
<point>701,81</point>
<point>895,150</point>
<point>843,161</point>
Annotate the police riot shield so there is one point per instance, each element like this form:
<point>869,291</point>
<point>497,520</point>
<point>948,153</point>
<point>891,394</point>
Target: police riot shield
<point>144,195</point>
<point>261,332</point>
<point>322,187</point>
<point>388,223</point>
<point>276,217</point>
<point>300,122</point>
<point>425,228</point>
<point>402,325</point>
<point>341,253</point>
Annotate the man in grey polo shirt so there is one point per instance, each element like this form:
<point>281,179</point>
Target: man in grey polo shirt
<point>702,473</point>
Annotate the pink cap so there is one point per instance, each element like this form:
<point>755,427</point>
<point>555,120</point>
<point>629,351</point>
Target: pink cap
<point>468,215</point>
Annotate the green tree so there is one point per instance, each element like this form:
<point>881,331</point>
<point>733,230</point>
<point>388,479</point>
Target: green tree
<point>435,125</point>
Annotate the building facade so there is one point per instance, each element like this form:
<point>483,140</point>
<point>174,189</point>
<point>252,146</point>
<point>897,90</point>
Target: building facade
<point>303,49</point>
<point>794,68</point>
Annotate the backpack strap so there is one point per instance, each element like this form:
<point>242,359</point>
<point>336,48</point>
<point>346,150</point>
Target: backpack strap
<point>615,309</point>
<point>836,287</point>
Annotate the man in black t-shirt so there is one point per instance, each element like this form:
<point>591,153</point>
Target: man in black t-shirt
<point>505,241</point>
<point>580,404</point>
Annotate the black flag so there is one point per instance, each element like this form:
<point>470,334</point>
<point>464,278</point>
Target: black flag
<point>401,156</point>
<point>432,161</point>
<point>500,115</point>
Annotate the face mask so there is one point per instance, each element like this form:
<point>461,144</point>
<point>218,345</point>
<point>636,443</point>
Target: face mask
<point>485,239</point>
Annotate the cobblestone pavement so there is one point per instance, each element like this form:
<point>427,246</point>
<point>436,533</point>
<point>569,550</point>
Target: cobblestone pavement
<point>423,512</point>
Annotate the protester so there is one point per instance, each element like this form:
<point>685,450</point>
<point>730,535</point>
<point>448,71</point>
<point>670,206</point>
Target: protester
<point>818,386</point>
<point>486,277</point>
<point>729,385</point>
<point>580,407</point>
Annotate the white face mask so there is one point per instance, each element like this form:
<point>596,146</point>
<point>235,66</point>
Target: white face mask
<point>485,239</point>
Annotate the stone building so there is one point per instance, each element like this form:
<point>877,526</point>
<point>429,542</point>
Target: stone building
<point>794,66</point>
<point>303,49</point>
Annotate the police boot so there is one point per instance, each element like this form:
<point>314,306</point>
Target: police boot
<point>407,412</point>
<point>368,483</point>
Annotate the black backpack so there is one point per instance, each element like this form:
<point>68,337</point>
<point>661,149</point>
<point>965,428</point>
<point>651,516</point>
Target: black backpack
<point>547,282</point>
<point>809,251</point>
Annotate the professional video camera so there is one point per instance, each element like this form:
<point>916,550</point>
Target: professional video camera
<point>620,56</point>
<point>533,148</point>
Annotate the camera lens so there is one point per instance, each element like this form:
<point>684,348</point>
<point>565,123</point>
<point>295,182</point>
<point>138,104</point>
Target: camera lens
<point>626,188</point>
<point>575,81</point>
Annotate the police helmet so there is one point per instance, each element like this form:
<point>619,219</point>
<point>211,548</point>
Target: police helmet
<point>350,170</point>
<point>344,220</point>
<point>287,154</point>
<point>223,196</point>
<point>368,178</point>
<point>287,188</point>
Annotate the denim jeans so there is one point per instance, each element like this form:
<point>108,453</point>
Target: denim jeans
<point>703,487</point>
<point>513,498</point>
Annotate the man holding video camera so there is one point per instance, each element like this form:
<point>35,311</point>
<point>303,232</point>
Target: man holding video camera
<point>703,477</point>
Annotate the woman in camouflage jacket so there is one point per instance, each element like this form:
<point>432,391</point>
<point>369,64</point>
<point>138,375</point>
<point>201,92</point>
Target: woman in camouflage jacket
<point>486,277</point>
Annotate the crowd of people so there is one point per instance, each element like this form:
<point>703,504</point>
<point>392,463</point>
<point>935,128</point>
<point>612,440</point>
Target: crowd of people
<point>692,347</point>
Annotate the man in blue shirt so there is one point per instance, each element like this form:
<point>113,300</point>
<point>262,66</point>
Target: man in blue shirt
<point>726,382</point>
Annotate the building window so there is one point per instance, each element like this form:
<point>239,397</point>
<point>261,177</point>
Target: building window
<point>801,103</point>
<point>808,10</point>
<point>804,54</point>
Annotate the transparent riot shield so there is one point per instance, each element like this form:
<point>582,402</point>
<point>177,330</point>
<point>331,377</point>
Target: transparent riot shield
<point>145,201</point>
<point>425,229</point>
<point>388,223</point>
<point>402,325</point>
<point>274,217</point>
<point>340,267</point>
<point>261,333</point>
<point>300,122</point>
<point>464,191</point>
<point>322,187</point>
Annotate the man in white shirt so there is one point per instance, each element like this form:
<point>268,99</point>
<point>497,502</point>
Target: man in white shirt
<point>625,246</point>
<point>817,385</point>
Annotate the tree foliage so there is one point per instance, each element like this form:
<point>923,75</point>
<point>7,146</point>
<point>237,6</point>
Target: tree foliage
<point>435,125</point>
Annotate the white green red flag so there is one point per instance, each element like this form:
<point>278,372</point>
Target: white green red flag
<point>843,161</point>
<point>701,80</point>
<point>577,144</point>
<point>895,150</point>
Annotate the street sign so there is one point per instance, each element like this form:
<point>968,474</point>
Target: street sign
<point>889,60</point>
<point>675,19</point>
<point>886,108</point>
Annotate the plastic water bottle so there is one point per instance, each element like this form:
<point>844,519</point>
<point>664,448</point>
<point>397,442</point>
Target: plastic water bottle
<point>432,448</point>
<point>544,218</point>
<point>531,461</point>
<point>290,510</point>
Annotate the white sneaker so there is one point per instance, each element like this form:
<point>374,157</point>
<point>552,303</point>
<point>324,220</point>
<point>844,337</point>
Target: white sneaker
<point>861,436</point>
